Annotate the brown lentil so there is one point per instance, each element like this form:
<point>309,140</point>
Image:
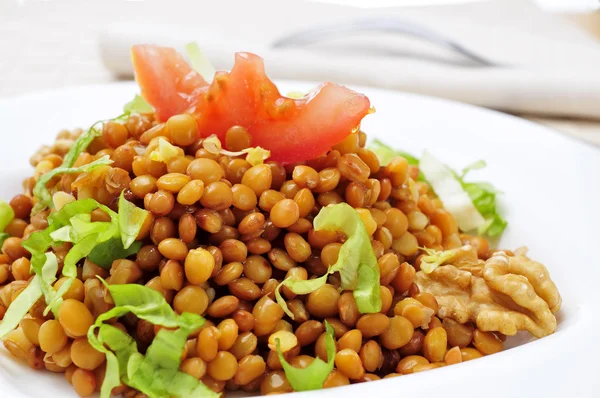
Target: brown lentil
<point>183,128</point>
<point>161,203</point>
<point>84,355</point>
<point>191,192</point>
<point>349,364</point>
<point>434,345</point>
<point>415,345</point>
<point>187,228</point>
<point>458,334</point>
<point>209,220</point>
<point>336,379</point>
<point>323,302</point>
<point>206,170</point>
<point>228,330</point>
<point>352,339</point>
<point>223,367</point>
<point>244,197</point>
<point>21,205</point>
<point>289,189</point>
<point>353,168</point>
<point>199,265</point>
<point>258,178</point>
<point>171,275</point>
<point>275,382</point>
<point>75,318</point>
<point>51,336</point>
<point>372,325</point>
<point>252,223</point>
<point>84,382</point>
<point>486,342</point>
<point>217,196</point>
<point>407,364</point>
<point>298,248</point>
<point>223,306</point>
<point>371,356</point>
<point>191,299</point>
<point>469,353</point>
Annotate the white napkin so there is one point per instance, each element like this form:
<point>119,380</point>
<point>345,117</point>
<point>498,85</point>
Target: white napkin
<point>549,67</point>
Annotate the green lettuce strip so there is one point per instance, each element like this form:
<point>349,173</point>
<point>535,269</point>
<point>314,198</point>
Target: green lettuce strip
<point>156,373</point>
<point>356,264</point>
<point>6,216</point>
<point>314,375</point>
<point>199,62</point>
<point>136,105</point>
<point>101,242</point>
<point>40,191</point>
<point>3,237</point>
<point>385,153</point>
<point>482,194</point>
<point>40,285</point>
<point>131,219</point>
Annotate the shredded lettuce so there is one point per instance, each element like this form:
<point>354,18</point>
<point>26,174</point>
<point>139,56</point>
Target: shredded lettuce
<point>6,215</point>
<point>106,252</point>
<point>385,153</point>
<point>20,306</point>
<point>47,271</point>
<point>40,285</point>
<point>156,373</point>
<point>451,192</point>
<point>356,263</point>
<point>200,62</point>
<point>101,242</point>
<point>435,258</point>
<point>481,194</point>
<point>40,191</point>
<point>314,375</point>
<point>131,219</point>
<point>137,105</point>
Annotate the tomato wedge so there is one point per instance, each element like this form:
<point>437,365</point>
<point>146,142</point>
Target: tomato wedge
<point>293,130</point>
<point>167,82</point>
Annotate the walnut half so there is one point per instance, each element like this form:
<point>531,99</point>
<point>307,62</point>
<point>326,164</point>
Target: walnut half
<point>509,294</point>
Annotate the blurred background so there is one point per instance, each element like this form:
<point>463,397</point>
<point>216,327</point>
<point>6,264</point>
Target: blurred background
<point>538,59</point>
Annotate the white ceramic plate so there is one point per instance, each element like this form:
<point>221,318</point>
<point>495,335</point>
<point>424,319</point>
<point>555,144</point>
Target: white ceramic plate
<point>550,184</point>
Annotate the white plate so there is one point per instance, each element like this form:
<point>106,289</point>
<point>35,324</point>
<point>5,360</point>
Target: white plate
<point>551,189</point>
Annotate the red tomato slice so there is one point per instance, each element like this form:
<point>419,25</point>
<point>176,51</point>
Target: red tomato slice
<point>292,129</point>
<point>167,81</point>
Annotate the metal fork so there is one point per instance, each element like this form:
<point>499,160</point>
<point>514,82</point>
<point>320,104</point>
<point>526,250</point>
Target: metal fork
<point>378,24</point>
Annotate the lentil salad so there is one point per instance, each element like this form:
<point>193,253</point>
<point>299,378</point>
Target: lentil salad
<point>224,269</point>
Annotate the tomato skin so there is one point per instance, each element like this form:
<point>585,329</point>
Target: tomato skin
<point>293,130</point>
